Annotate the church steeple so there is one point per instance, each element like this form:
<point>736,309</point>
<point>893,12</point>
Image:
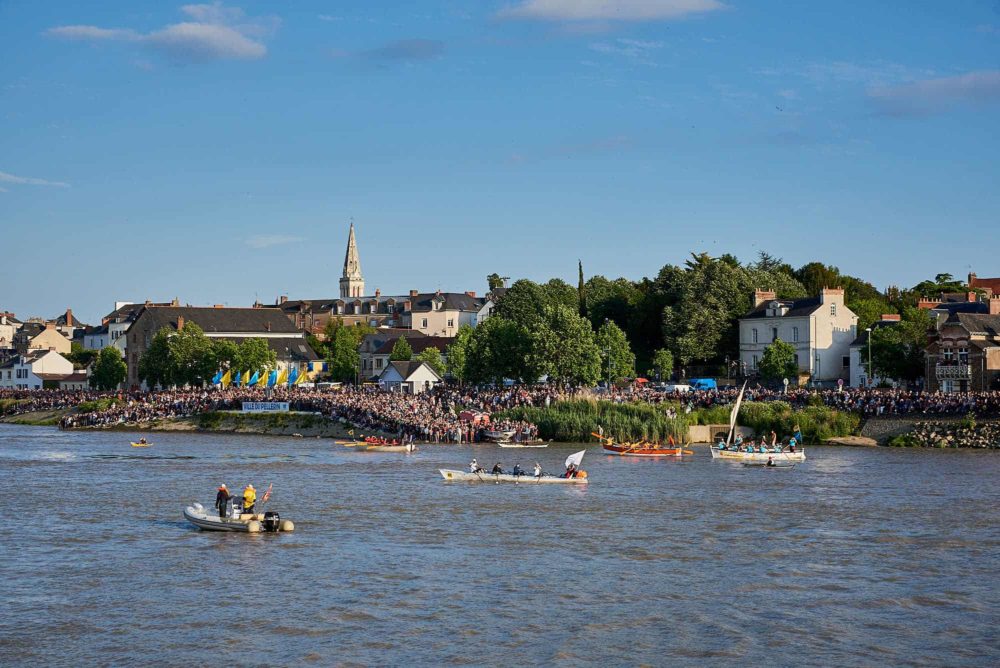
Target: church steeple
<point>352,283</point>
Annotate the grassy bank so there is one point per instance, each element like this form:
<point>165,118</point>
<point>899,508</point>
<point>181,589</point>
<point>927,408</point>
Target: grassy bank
<point>36,418</point>
<point>573,421</point>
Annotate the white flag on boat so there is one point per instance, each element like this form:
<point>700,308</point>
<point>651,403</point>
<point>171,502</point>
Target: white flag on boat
<point>575,459</point>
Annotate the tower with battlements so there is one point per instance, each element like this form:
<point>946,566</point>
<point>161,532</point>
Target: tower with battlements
<point>352,283</point>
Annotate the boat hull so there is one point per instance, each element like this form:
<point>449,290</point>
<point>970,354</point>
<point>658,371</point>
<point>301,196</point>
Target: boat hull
<point>523,445</point>
<point>390,448</point>
<point>465,476</point>
<point>734,455</point>
<point>625,450</point>
<point>497,436</point>
<point>207,521</point>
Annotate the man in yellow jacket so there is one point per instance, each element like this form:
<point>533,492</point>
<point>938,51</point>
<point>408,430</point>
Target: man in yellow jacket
<point>249,498</point>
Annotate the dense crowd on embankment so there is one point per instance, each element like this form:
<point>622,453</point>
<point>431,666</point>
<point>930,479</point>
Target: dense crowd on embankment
<point>435,416</point>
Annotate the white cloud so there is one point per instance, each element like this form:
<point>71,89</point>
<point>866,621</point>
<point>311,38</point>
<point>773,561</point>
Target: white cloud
<point>630,48</point>
<point>29,181</point>
<point>329,18</point>
<point>609,10</point>
<point>269,240</point>
<point>216,32</point>
<point>928,96</point>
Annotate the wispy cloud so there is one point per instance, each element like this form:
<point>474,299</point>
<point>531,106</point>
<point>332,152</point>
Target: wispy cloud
<point>405,50</point>
<point>600,146</point>
<point>635,49</point>
<point>329,18</point>
<point>269,240</point>
<point>827,74</point>
<point>214,32</point>
<point>608,10</point>
<point>29,181</point>
<point>930,96</point>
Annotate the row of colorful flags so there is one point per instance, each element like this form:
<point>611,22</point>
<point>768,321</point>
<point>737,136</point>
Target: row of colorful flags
<point>258,379</point>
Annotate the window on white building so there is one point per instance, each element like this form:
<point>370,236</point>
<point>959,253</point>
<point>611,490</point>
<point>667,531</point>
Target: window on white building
<point>451,322</point>
<point>845,361</point>
<point>833,310</point>
<point>795,333</point>
<point>755,360</point>
<point>754,336</point>
<point>424,321</point>
<point>774,334</point>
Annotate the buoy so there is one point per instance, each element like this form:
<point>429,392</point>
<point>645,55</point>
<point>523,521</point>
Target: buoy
<point>253,526</point>
<point>286,525</point>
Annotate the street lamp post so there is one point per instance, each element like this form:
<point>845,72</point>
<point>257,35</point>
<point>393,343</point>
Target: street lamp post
<point>869,331</point>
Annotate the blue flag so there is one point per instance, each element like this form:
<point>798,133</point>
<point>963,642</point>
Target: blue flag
<point>253,379</point>
<point>217,378</point>
<point>272,379</point>
<point>294,376</point>
<point>236,381</point>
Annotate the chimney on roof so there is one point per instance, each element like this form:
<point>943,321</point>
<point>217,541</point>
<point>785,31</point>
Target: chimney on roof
<point>282,299</point>
<point>378,293</point>
<point>414,293</point>
<point>50,325</point>
<point>471,293</point>
<point>148,302</point>
<point>69,317</point>
<point>180,323</point>
<point>972,296</point>
<point>763,296</point>
<point>268,326</point>
<point>828,295</point>
<point>994,305</point>
<point>175,302</point>
<point>890,317</point>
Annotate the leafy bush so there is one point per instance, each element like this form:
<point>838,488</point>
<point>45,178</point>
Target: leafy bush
<point>97,405</point>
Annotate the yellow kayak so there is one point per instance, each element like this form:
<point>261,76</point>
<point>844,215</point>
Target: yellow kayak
<point>353,444</point>
<point>141,445</point>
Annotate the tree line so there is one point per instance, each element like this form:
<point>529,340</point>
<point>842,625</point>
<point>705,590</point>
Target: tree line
<point>188,357</point>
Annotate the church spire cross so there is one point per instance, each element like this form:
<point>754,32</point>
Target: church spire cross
<point>352,283</point>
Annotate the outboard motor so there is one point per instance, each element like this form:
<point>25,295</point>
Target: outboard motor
<point>272,521</point>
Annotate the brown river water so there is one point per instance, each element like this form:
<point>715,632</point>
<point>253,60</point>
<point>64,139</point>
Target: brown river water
<point>856,557</point>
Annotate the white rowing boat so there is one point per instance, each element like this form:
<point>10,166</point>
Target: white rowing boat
<point>409,447</point>
<point>465,476</point>
<point>737,455</point>
<point>508,444</point>
<point>197,515</point>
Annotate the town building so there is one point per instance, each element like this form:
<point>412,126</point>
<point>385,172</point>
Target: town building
<point>442,313</point>
<point>409,377</point>
<point>35,370</point>
<point>964,354</point>
<point>96,338</point>
<point>375,362</point>
<point>36,335</point>
<point>860,363</point>
<point>820,329</point>
<point>374,341</point>
<point>352,282</point>
<point>235,324</point>
<point>990,286</point>
<point>9,325</point>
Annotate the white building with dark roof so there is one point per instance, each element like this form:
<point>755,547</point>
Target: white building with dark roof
<point>820,329</point>
<point>33,369</point>
<point>409,377</point>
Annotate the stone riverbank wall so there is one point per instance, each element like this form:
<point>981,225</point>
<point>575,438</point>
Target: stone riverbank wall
<point>884,428</point>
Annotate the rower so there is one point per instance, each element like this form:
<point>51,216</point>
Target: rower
<point>497,470</point>
<point>518,470</point>
<point>538,470</point>
<point>770,461</point>
<point>142,440</point>
<point>791,444</point>
<point>474,467</point>
<point>571,471</point>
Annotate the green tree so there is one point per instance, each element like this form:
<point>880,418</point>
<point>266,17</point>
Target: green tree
<point>663,363</point>
<point>433,358</point>
<point>581,292</point>
<point>778,362</point>
<point>564,348</point>
<point>898,351</point>
<point>80,356</point>
<point>109,370</point>
<point>494,281</point>
<point>401,351</point>
<point>192,358</point>
<point>225,352</point>
<point>155,366</point>
<point>523,304</point>
<point>255,355</point>
<point>558,291</point>
<point>870,311</point>
<point>458,353</point>
<point>497,350</point>
<point>613,345</point>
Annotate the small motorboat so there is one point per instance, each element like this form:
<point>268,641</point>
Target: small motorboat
<point>527,479</point>
<point>269,522</point>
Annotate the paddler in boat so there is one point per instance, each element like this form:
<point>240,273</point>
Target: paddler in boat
<point>774,438</point>
<point>518,470</point>
<point>222,500</point>
<point>570,471</point>
<point>249,499</point>
<point>474,467</point>
<point>142,441</point>
<point>770,461</point>
<point>538,470</point>
<point>791,444</point>
<point>497,469</point>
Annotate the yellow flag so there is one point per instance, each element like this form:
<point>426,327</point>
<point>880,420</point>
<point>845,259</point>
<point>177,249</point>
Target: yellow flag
<point>283,377</point>
<point>303,377</point>
<point>263,379</point>
<point>227,378</point>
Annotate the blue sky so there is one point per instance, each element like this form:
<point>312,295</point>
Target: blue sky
<point>217,152</point>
